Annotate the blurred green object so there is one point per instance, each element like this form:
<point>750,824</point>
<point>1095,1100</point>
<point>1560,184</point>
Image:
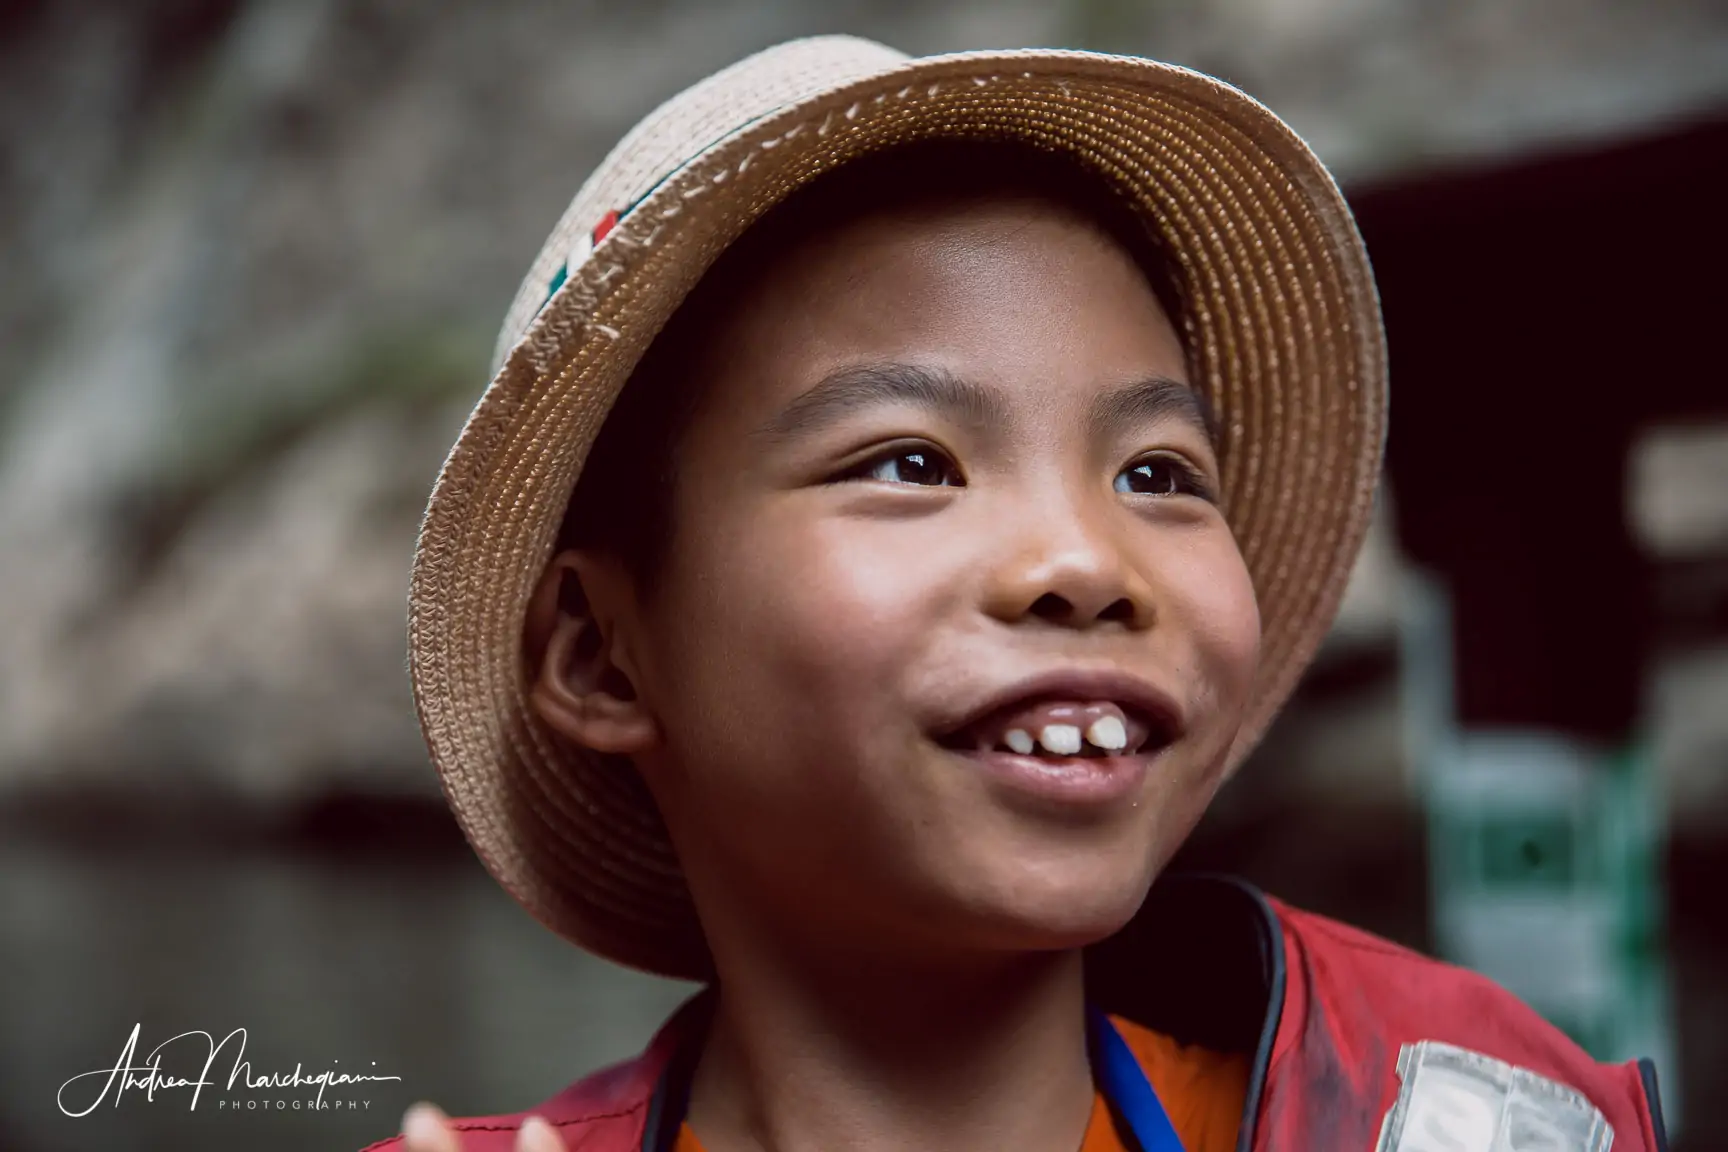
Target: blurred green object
<point>1544,861</point>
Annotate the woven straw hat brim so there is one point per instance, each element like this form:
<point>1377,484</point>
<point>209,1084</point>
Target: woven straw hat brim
<point>1284,334</point>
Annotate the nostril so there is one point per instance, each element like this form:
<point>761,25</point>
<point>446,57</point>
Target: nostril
<point>1052,607</point>
<point>1121,609</point>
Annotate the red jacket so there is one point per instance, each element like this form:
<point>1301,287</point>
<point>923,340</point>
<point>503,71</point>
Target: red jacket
<point>1326,1009</point>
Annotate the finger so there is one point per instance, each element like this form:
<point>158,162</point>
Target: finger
<point>538,1136</point>
<point>425,1128</point>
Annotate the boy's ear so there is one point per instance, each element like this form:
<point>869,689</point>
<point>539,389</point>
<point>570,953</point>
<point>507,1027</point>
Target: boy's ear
<point>583,679</point>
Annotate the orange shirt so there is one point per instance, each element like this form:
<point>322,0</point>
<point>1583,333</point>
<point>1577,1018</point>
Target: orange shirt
<point>1202,1091</point>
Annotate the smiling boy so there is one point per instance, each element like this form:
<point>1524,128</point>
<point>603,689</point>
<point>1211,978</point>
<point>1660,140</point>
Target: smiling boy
<point>909,490</point>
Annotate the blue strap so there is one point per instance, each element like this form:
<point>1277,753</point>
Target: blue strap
<point>1125,1086</point>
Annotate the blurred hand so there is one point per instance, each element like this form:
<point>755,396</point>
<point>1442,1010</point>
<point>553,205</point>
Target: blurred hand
<point>426,1128</point>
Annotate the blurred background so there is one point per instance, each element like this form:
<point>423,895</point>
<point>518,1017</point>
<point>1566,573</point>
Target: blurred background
<point>254,256</point>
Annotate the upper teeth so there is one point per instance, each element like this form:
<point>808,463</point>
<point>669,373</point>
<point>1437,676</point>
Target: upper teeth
<point>1106,732</point>
<point>1062,739</point>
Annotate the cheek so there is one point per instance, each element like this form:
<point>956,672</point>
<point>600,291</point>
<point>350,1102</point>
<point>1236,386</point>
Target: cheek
<point>852,600</point>
<point>796,634</point>
<point>1215,598</point>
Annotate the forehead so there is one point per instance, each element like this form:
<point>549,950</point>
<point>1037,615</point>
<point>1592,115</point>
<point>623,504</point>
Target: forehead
<point>1006,290</point>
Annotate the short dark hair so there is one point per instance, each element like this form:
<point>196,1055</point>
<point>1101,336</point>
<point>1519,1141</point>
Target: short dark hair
<point>623,502</point>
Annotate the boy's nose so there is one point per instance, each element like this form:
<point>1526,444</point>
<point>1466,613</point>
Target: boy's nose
<point>1069,569</point>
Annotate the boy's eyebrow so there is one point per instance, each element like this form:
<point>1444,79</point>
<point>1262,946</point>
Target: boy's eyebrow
<point>1152,399</point>
<point>856,387</point>
<point>861,386</point>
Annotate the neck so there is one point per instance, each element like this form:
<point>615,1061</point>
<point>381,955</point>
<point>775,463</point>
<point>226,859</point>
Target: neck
<point>833,1049</point>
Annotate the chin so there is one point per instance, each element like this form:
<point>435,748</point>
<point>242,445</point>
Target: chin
<point>1050,909</point>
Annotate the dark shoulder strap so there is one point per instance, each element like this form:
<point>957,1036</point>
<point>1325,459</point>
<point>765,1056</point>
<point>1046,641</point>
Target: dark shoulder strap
<point>670,1101</point>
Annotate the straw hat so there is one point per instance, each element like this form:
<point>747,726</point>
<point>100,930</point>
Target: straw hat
<point>1283,330</point>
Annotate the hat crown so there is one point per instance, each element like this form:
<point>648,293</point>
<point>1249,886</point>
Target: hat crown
<point>677,132</point>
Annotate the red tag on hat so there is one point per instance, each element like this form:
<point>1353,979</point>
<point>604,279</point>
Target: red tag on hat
<point>606,224</point>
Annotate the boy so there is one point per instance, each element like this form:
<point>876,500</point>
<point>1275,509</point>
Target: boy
<point>998,435</point>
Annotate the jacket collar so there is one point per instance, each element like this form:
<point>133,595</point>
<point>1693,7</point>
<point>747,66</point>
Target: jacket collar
<point>1202,962</point>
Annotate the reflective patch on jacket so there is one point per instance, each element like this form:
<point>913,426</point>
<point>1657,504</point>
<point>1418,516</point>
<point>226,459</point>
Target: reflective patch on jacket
<point>1456,1100</point>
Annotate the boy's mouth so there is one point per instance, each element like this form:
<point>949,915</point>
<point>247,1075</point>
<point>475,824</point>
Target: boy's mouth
<point>1055,725</point>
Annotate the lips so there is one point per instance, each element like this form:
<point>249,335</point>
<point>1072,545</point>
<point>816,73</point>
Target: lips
<point>1069,714</point>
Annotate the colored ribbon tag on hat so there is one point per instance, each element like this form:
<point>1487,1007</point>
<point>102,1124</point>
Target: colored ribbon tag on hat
<point>585,245</point>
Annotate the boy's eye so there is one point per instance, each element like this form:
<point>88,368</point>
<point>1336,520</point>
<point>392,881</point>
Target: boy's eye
<point>1162,476</point>
<point>920,465</point>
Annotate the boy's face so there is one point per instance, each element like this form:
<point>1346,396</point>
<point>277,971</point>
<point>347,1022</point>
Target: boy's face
<point>947,479</point>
